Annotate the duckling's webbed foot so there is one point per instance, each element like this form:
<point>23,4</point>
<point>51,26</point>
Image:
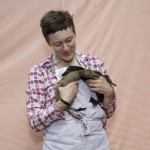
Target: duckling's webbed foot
<point>72,110</point>
<point>77,109</point>
<point>77,116</point>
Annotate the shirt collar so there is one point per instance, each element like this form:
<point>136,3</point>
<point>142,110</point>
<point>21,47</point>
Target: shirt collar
<point>49,61</point>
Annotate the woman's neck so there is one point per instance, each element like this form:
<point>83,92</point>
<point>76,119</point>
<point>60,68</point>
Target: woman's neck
<point>74,62</point>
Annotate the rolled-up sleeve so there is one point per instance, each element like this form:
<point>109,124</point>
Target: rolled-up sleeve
<point>40,115</point>
<point>110,109</point>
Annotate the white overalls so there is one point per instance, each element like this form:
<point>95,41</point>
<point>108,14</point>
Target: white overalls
<point>73,134</point>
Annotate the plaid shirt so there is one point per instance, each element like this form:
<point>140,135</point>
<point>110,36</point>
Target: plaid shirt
<point>41,104</point>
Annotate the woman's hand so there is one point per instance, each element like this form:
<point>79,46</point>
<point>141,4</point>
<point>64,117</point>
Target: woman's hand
<point>69,92</point>
<point>100,85</point>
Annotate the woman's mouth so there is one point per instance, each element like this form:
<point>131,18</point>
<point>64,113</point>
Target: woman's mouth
<point>67,53</point>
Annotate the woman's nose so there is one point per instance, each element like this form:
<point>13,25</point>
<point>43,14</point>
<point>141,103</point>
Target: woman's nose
<point>66,47</point>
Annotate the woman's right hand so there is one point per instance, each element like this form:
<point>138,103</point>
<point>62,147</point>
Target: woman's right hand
<point>69,92</point>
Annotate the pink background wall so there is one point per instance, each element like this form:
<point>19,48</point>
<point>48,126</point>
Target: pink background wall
<point>116,31</point>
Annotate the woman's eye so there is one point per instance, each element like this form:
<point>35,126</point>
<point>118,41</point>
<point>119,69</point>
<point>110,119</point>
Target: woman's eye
<point>58,44</point>
<point>69,40</point>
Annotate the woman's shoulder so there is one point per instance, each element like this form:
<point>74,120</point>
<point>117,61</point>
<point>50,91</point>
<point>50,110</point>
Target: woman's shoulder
<point>92,62</point>
<point>43,64</point>
<point>88,57</point>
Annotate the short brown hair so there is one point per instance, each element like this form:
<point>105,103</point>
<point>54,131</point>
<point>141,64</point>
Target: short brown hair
<point>54,21</point>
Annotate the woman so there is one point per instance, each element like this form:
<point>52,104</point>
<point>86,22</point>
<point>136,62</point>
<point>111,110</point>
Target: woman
<point>62,131</point>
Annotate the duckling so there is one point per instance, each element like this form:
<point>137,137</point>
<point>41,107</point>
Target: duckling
<point>75,73</point>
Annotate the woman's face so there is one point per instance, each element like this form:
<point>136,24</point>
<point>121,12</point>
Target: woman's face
<point>63,44</point>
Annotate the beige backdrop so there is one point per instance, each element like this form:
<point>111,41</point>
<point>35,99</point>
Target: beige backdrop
<point>117,31</point>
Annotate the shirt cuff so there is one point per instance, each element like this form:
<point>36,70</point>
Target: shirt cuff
<point>110,105</point>
<point>110,109</point>
<point>59,113</point>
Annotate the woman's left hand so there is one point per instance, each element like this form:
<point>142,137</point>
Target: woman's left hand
<point>100,85</point>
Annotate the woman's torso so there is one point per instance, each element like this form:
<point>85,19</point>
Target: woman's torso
<point>71,133</point>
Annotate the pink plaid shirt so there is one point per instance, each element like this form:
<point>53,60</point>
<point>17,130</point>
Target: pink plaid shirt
<point>41,104</point>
